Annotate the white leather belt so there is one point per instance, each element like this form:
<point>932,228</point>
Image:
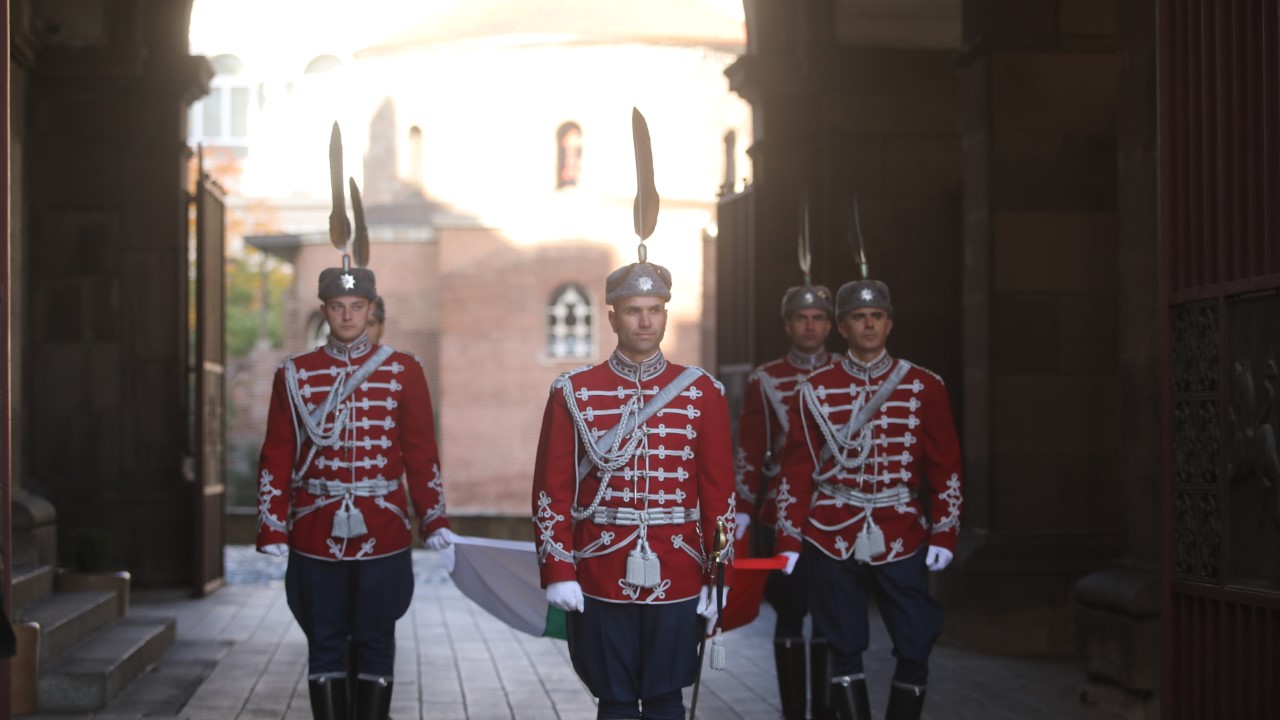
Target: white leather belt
<point>652,516</point>
<point>360,488</point>
<point>898,495</point>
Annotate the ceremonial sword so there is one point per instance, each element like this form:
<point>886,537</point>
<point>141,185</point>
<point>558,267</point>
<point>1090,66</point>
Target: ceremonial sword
<point>722,545</point>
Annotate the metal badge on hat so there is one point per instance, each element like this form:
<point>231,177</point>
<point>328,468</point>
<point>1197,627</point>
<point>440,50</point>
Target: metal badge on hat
<point>339,225</point>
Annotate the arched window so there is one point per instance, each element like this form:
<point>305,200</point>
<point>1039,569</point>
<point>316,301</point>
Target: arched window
<point>569,323</point>
<point>322,64</point>
<point>568,155</point>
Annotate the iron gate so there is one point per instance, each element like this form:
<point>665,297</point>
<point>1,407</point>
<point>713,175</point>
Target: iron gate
<point>1219,159</point>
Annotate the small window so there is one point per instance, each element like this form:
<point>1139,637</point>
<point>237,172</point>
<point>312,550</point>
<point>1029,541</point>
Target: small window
<point>568,155</point>
<point>569,323</point>
<point>223,117</point>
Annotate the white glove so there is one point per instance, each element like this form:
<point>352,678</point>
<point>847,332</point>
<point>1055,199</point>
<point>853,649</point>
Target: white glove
<point>791,556</point>
<point>938,558</point>
<point>440,539</point>
<point>707,603</point>
<point>566,595</point>
<point>741,521</point>
<point>277,549</point>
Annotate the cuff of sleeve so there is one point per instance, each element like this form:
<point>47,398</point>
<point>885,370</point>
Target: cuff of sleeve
<point>557,571</point>
<point>944,539</point>
<point>272,537</point>
<point>434,525</point>
<point>787,543</point>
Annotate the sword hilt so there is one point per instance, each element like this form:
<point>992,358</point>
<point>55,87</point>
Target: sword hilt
<point>721,540</point>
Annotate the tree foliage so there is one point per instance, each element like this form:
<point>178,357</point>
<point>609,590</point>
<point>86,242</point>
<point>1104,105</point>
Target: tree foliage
<point>255,289</point>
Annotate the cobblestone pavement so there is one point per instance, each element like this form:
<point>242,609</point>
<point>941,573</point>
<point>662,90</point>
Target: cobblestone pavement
<point>239,655</point>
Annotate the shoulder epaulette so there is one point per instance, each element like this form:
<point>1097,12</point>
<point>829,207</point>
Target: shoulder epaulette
<point>415,358</point>
<point>563,377</point>
<point>933,374</point>
<point>290,358</point>
<point>710,377</point>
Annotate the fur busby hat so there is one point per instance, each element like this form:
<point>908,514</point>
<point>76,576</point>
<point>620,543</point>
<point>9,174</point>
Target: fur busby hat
<point>860,294</point>
<point>806,297</point>
<point>640,279</point>
<point>358,282</point>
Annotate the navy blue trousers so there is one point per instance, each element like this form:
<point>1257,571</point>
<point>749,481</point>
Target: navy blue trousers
<point>634,657</point>
<point>839,590</point>
<point>356,599</point>
<point>789,595</point>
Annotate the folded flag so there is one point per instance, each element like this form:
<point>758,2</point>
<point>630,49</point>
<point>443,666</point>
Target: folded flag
<point>502,577</point>
<point>749,577</point>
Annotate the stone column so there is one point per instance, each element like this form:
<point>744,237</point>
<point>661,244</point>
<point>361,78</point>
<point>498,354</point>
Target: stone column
<point>106,278</point>
<point>1117,623</point>
<point>841,108</point>
<point>1043,500</point>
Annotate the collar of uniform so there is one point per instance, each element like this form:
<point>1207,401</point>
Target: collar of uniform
<point>354,351</point>
<point>808,362</point>
<point>631,370</point>
<point>875,368</point>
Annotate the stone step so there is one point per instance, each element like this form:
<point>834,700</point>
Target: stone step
<point>31,583</point>
<point>66,618</point>
<point>92,673</point>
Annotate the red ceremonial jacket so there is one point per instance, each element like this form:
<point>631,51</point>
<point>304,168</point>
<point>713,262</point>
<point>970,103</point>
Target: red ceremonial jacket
<point>762,428</point>
<point>677,466</point>
<point>907,449</point>
<point>344,498</point>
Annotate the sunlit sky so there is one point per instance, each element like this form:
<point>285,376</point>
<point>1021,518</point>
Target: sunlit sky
<point>328,23</point>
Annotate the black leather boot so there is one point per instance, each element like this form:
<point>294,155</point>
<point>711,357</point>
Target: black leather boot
<point>788,655</point>
<point>373,698</point>
<point>820,680</point>
<point>849,699</point>
<point>906,702</point>
<point>328,698</point>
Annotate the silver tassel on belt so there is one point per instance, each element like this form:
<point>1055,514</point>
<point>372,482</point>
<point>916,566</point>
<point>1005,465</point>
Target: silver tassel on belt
<point>870,541</point>
<point>348,521</point>
<point>643,569</point>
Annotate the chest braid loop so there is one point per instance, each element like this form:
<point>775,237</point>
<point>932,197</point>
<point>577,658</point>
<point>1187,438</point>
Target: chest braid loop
<point>840,446</point>
<point>609,460</point>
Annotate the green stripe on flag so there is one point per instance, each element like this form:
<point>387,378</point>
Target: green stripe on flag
<point>556,624</point>
<point>502,577</point>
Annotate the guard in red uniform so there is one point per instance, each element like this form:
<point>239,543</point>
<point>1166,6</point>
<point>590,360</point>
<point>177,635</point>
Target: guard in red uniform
<point>349,429</point>
<point>634,469</point>
<point>762,428</point>
<point>871,444</point>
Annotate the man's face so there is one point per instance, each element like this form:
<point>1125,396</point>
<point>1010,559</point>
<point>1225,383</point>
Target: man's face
<point>639,323</point>
<point>375,330</point>
<point>808,329</point>
<point>348,317</point>
<point>867,330</point>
